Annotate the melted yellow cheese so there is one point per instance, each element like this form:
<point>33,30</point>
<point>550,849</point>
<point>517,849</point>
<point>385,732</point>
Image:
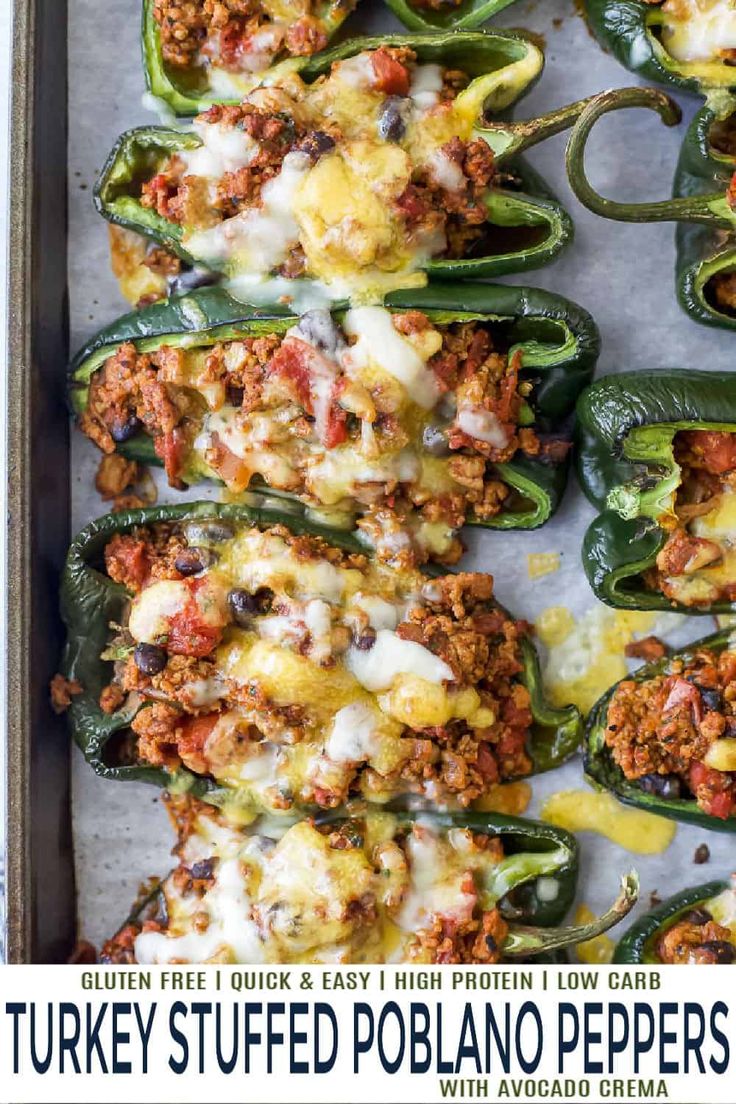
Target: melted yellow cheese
<point>597,951</point>
<point>299,899</point>
<point>698,30</point>
<point>512,798</point>
<point>587,811</point>
<point>542,563</point>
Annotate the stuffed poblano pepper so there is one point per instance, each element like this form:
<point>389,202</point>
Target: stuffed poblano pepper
<point>369,170</point>
<point>704,203</point>
<point>658,457</point>
<point>451,404</point>
<point>446,15</point>
<point>690,44</point>
<point>265,663</point>
<point>664,739</point>
<point>693,928</point>
<point>207,51</point>
<point>373,886</point>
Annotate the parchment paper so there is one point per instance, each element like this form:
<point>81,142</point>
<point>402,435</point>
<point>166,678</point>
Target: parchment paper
<point>622,274</point>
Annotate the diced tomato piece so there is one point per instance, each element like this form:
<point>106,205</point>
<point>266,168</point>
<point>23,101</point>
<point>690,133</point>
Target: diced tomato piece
<point>486,763</point>
<point>291,362</point>
<point>718,450</point>
<point>189,633</point>
<point>191,739</point>
<point>391,76</point>
<point>411,205</point>
<point>127,561</point>
<point>171,447</point>
<point>681,692</point>
<point>232,43</point>
<point>336,428</point>
<point>719,805</point>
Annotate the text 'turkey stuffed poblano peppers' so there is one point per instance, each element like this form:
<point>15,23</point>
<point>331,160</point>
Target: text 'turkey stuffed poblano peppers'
<point>690,44</point>
<point>657,455</point>
<point>371,170</point>
<point>506,886</point>
<point>694,927</point>
<point>454,402</point>
<point>664,738</point>
<point>263,662</point>
<point>704,203</point>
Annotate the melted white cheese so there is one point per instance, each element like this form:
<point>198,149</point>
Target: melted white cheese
<point>426,85</point>
<point>697,30</point>
<point>380,344</point>
<point>355,735</point>
<point>153,608</point>
<point>390,656</point>
<point>224,149</point>
<point>482,425</point>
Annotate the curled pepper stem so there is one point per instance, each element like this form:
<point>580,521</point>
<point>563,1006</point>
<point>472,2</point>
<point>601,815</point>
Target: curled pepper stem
<point>711,208</point>
<point>523,940</point>
<point>508,139</point>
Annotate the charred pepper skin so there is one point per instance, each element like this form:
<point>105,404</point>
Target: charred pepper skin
<point>465,16</point>
<point>618,549</point>
<point>559,342</point>
<point>702,205</point>
<point>535,921</point>
<point>627,28</point>
<point>603,773</point>
<point>507,66</point>
<point>637,947</point>
<point>90,601</point>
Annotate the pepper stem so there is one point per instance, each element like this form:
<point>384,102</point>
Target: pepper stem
<point>527,940</point>
<point>508,138</point>
<point>701,208</point>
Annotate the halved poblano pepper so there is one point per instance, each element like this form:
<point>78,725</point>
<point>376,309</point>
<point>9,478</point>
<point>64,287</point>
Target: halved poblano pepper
<point>688,44</point>
<point>656,450</point>
<point>662,738</point>
<point>554,341</point>
<point>191,60</point>
<point>333,249</point>
<point>308,667</point>
<point>704,203</point>
<point>695,912</point>
<point>515,881</point>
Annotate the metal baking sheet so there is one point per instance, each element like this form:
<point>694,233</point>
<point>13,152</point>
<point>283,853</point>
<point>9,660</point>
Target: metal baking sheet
<point>622,274</point>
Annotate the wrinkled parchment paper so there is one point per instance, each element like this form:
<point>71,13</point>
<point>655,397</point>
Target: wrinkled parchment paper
<point>622,273</point>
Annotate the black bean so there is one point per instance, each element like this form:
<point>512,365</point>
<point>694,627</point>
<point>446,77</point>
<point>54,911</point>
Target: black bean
<point>723,953</point>
<point>365,641</point>
<point>702,854</point>
<point>319,328</point>
<point>434,440</point>
<point>667,786</point>
<point>698,916</point>
<point>191,279</point>
<point>190,561</point>
<point>712,699</point>
<point>234,395</point>
<point>244,606</point>
<point>123,431</point>
<point>149,658</point>
<point>391,122</point>
<point>315,144</point>
<point>208,531</point>
<point>203,870</point>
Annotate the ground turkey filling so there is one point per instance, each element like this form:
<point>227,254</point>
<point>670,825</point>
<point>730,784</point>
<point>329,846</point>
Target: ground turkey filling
<point>675,734</point>
<point>697,565</point>
<point>368,891</point>
<point>240,36</point>
<point>366,173</point>
<point>388,416</point>
<point>293,672</point>
<point>696,939</point>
